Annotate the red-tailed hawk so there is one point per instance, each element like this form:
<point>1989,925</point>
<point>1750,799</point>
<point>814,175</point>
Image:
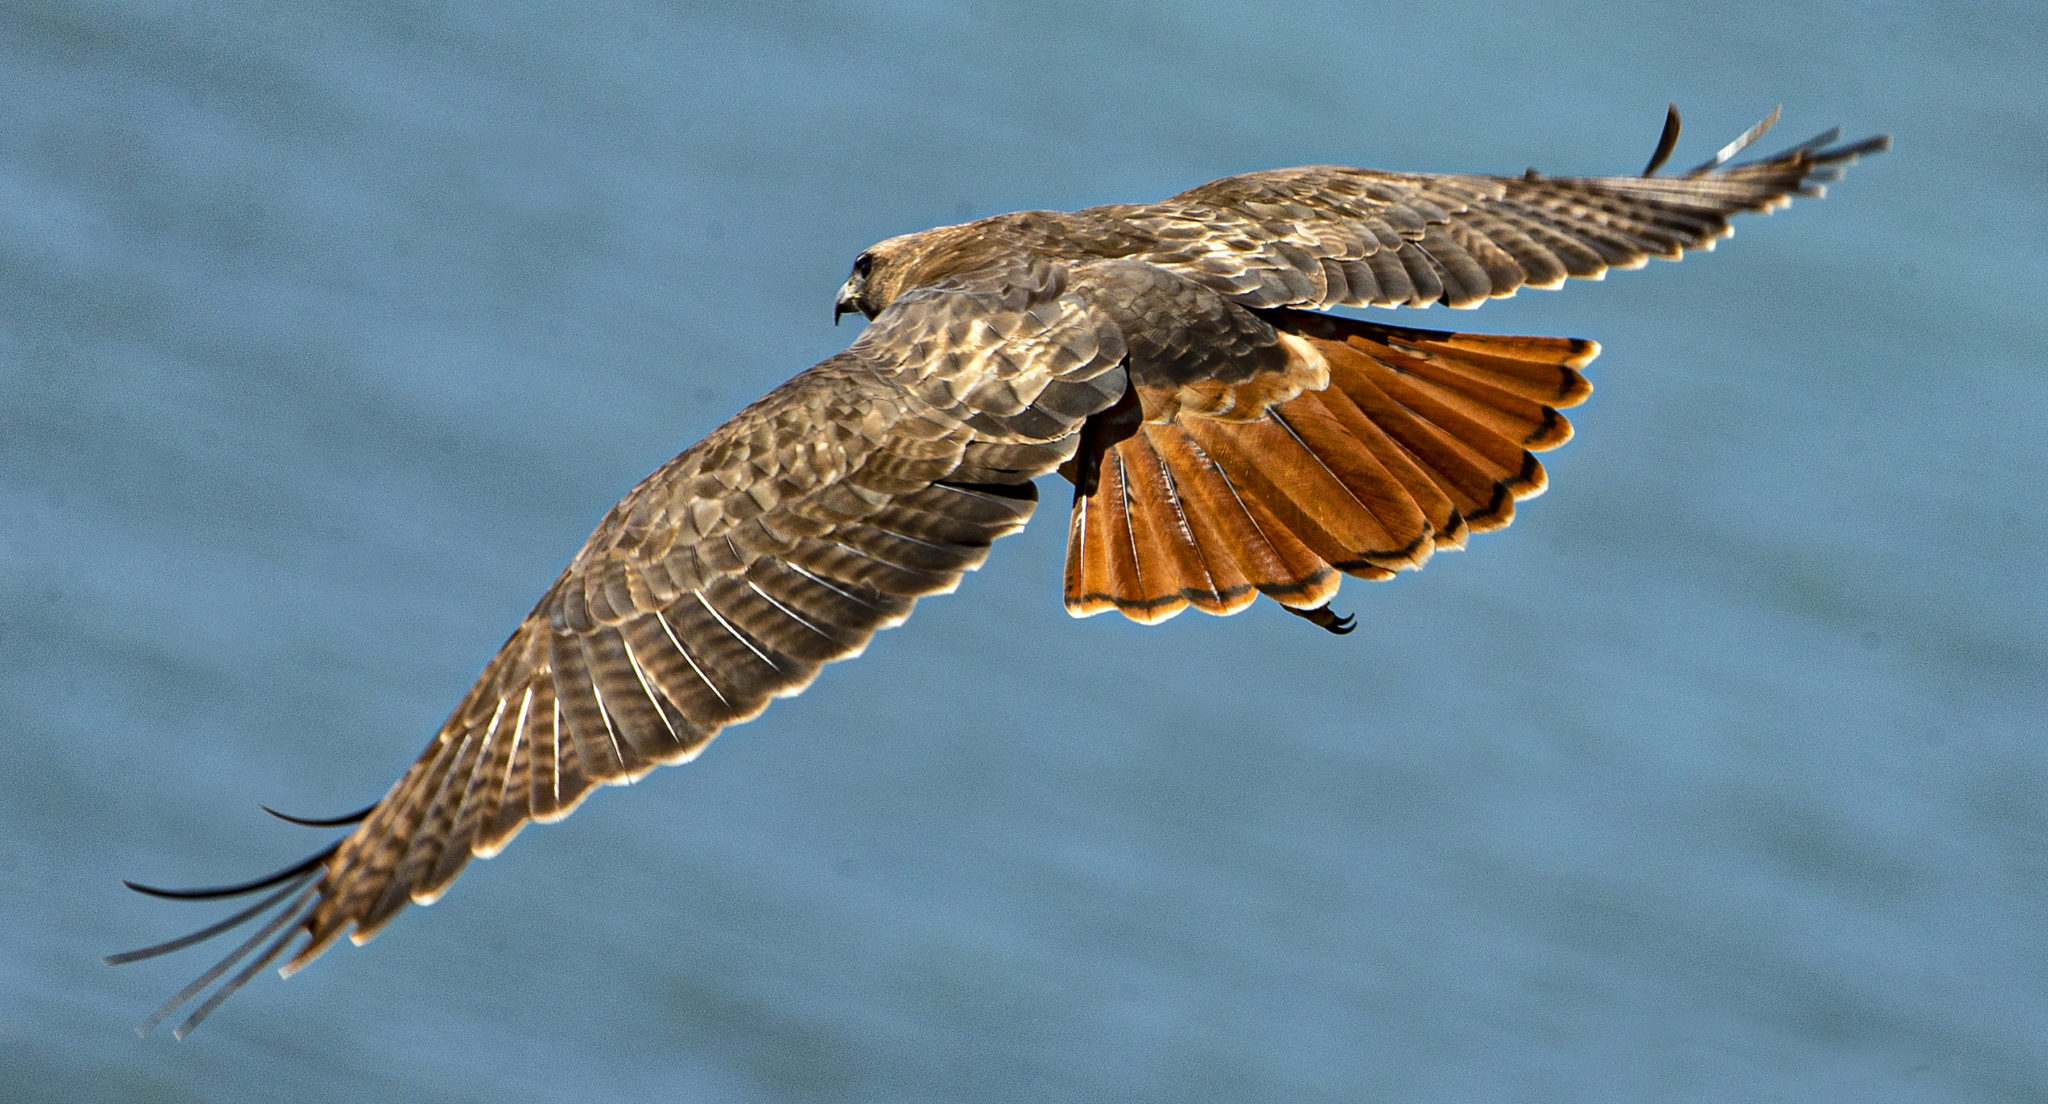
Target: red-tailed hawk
<point>1225,441</point>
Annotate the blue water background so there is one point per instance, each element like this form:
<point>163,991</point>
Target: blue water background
<point>327,331</point>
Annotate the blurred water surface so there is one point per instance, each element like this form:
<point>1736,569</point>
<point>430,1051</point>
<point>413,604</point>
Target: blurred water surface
<point>328,331</point>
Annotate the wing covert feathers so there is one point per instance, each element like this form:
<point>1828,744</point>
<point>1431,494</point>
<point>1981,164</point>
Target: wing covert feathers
<point>1420,437</point>
<point>1223,445</point>
<point>1327,235</point>
<point>779,543</point>
<point>636,660</point>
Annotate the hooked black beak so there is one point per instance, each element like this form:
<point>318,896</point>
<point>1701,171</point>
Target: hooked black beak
<point>848,301</point>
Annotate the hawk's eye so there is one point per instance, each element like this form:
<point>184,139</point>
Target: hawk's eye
<point>863,264</point>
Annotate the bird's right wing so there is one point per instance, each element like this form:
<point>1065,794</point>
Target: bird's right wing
<point>777,544</point>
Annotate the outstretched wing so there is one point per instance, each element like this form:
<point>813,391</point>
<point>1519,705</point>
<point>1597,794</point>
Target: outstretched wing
<point>779,543</point>
<point>1261,450</point>
<point>1323,236</point>
<point>1365,447</point>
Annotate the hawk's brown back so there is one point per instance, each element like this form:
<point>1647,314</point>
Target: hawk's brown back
<point>1223,441</point>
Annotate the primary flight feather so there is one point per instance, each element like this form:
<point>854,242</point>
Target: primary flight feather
<point>1224,438</point>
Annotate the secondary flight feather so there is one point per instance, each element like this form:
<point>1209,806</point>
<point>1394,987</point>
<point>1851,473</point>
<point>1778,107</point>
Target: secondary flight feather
<point>1226,439</point>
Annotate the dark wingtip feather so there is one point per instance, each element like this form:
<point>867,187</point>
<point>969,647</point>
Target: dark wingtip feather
<point>215,892</point>
<point>1742,142</point>
<point>1666,142</point>
<point>298,892</point>
<point>205,933</point>
<point>270,954</point>
<point>356,817</point>
<point>1842,155</point>
<point>1820,150</point>
<point>285,920</point>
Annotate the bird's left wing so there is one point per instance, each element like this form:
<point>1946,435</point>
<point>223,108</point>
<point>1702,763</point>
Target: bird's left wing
<point>777,544</point>
<point>1326,235</point>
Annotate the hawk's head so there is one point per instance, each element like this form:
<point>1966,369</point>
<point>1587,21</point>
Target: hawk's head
<point>854,294</point>
<point>887,269</point>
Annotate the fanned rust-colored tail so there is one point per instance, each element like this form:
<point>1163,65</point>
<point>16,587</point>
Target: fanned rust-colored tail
<point>1420,437</point>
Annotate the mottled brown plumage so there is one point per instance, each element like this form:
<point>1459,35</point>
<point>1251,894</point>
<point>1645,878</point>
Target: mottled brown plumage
<point>1224,441</point>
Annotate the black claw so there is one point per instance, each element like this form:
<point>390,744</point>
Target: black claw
<point>1322,616</point>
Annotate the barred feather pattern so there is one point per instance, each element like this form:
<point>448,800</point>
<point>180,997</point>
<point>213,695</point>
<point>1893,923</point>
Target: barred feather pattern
<point>1412,440</point>
<point>1224,440</point>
